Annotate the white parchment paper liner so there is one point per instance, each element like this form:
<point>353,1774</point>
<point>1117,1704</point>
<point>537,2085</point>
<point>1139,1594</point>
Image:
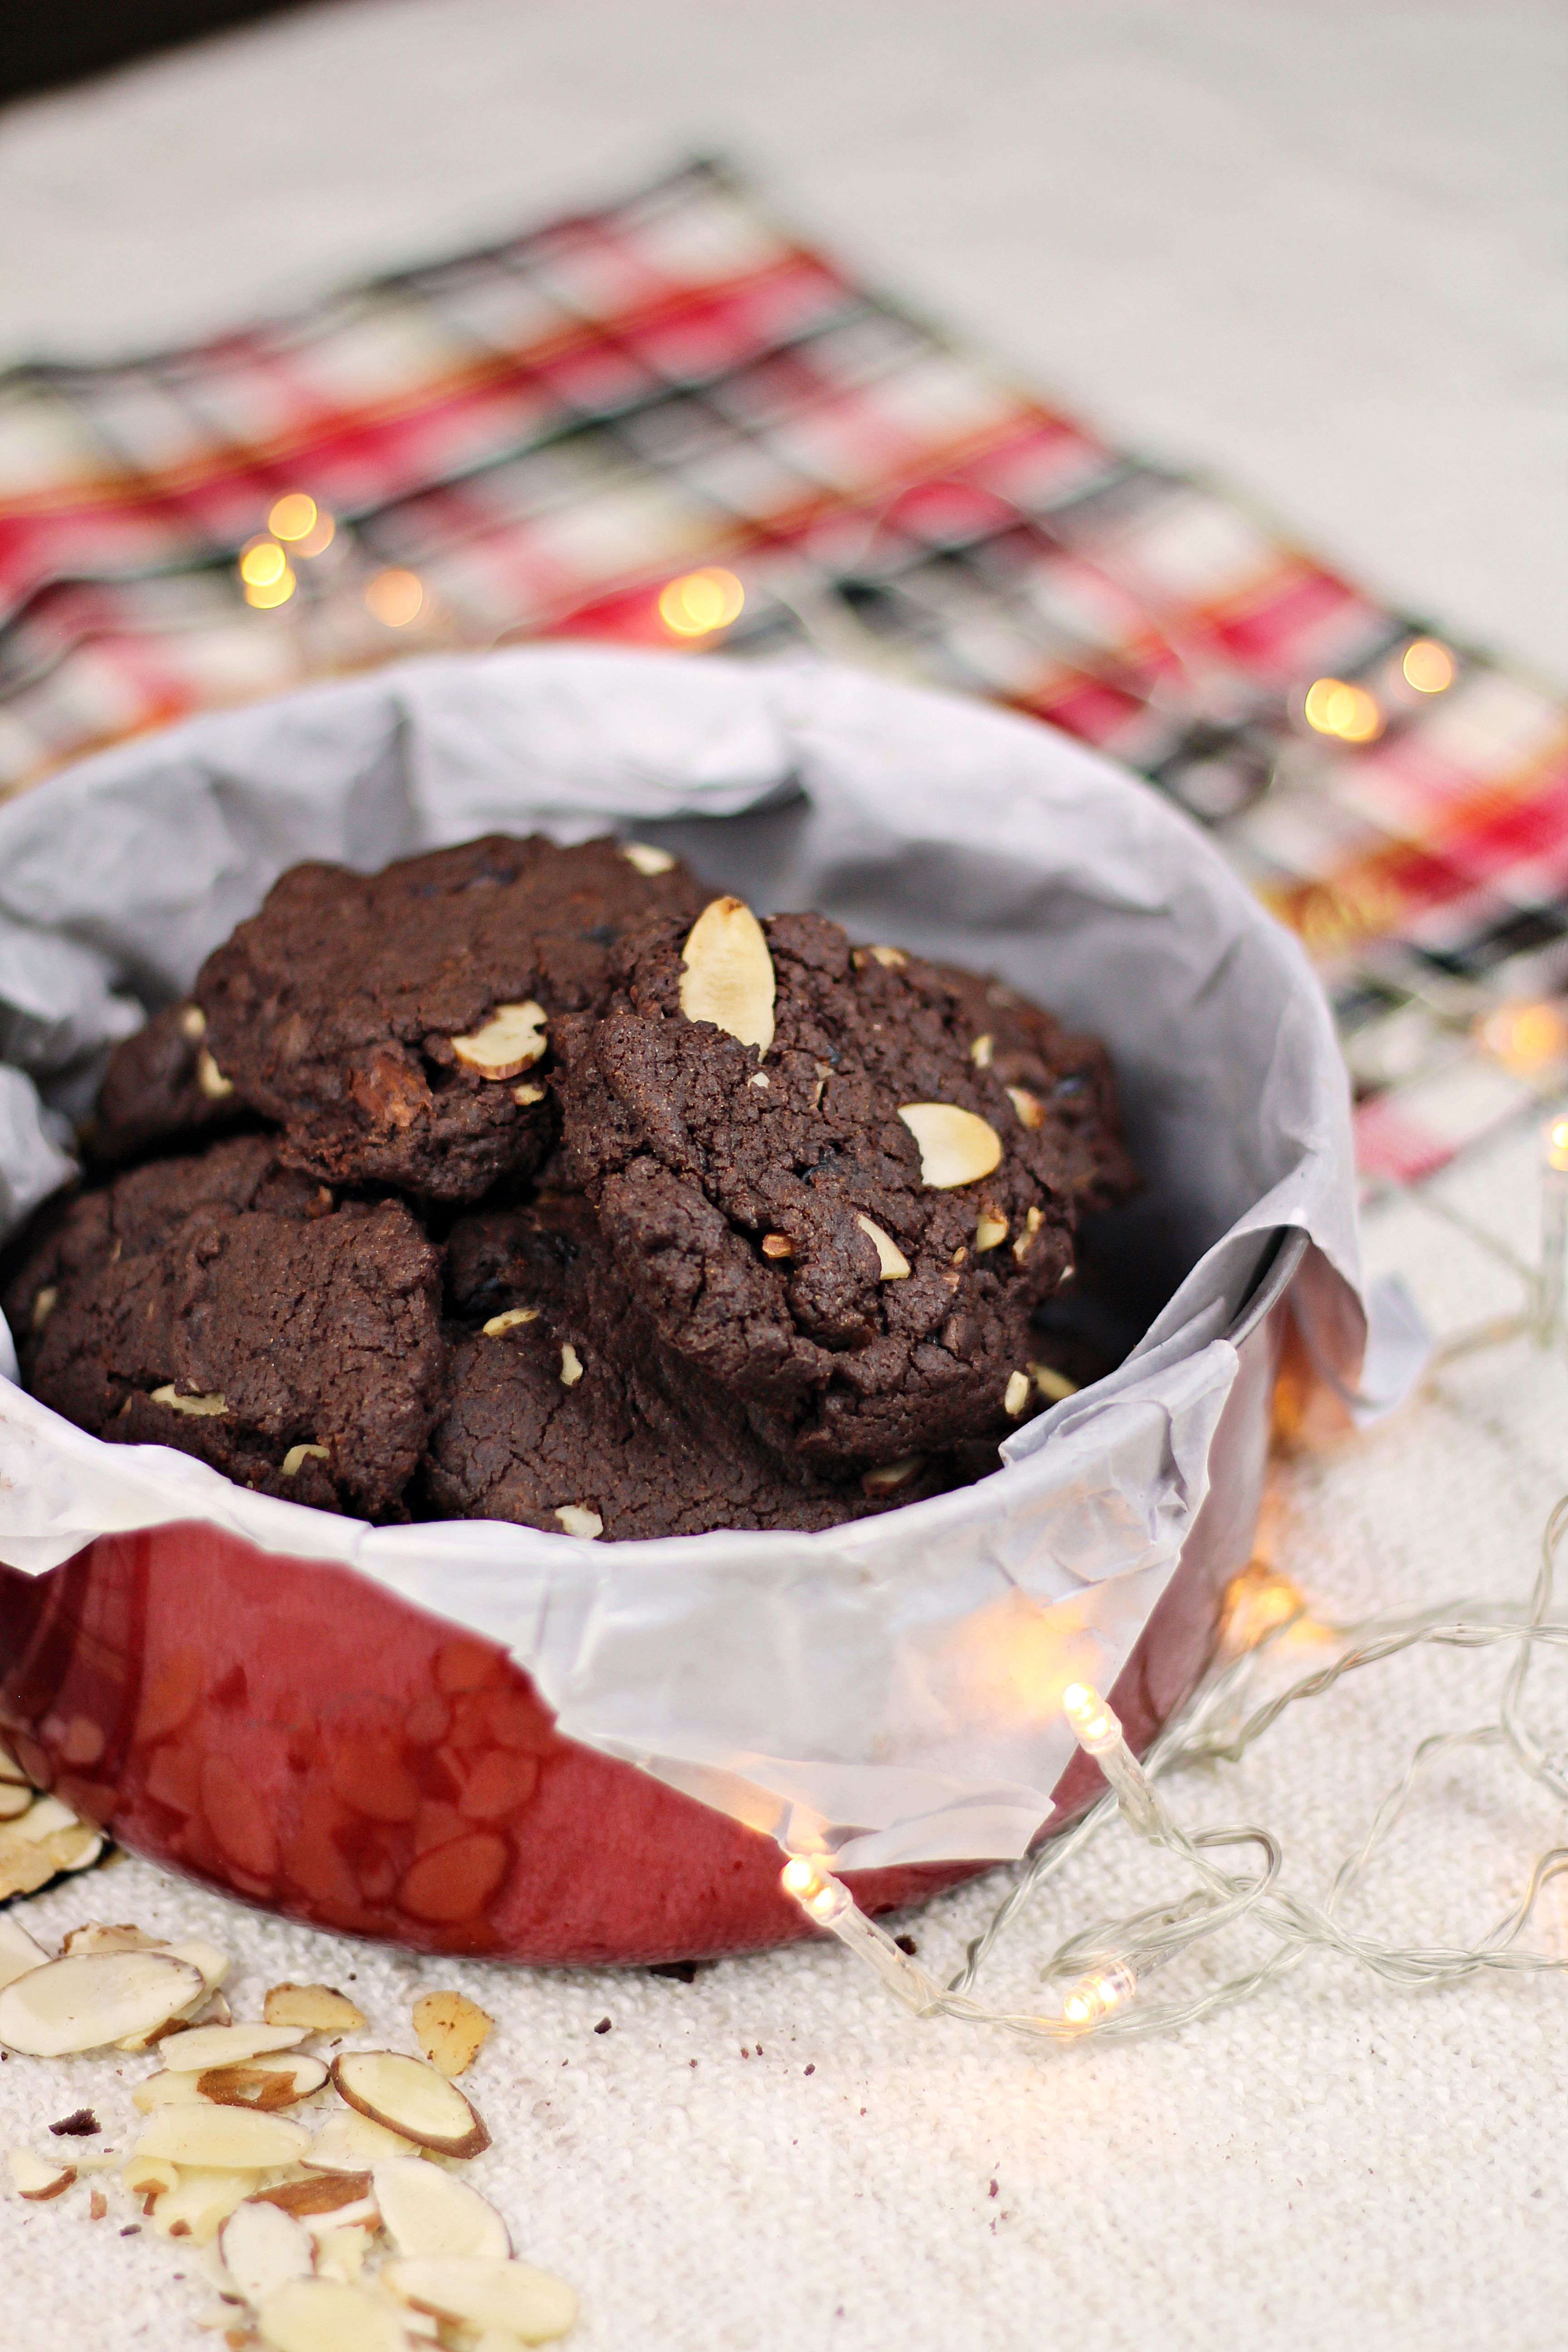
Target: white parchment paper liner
<point>883,1690</point>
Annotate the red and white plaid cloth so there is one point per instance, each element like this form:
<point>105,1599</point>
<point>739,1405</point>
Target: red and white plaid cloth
<point>546,433</point>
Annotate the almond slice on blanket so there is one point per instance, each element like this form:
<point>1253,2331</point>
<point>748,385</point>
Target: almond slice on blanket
<point>94,1998</point>
<point>201,2201</point>
<point>92,1936</point>
<point>313,2008</point>
<point>39,2178</point>
<point>15,1797</point>
<point>216,2137</point>
<point>410,2095</point>
<point>956,1146</point>
<point>507,2296</point>
<point>150,2176</point>
<point>510,1041</point>
<point>328,2315</point>
<point>450,2029</point>
<point>18,1953</point>
<point>349,2142</point>
<point>228,2045</point>
<point>430,2213</point>
<point>265,2082</point>
<point>263,2248</point>
<point>727,975</point>
<point>320,2192</point>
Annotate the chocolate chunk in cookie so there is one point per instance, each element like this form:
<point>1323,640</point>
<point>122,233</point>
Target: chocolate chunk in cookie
<point>393,1024</point>
<point>555,1417</point>
<point>162,1088</point>
<point>234,1309</point>
<point>826,1205</point>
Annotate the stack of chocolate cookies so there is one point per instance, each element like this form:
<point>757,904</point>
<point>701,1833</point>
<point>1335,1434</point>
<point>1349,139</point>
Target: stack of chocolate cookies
<point>538,1184</point>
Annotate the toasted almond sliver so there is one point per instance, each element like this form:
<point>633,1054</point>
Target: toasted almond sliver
<point>956,1146</point>
<point>411,2096</point>
<point>894,958</point>
<point>228,2045</point>
<point>894,1264</point>
<point>93,1998</point>
<point>276,2079</point>
<point>297,1456</point>
<point>1016,1395</point>
<point>450,2029</point>
<point>777,1246</point>
<point>512,1319</point>
<point>328,2315</point>
<point>201,2201</point>
<point>313,2008</point>
<point>645,858</point>
<point>580,1519</point>
<point>509,2296</point>
<point>989,1232</point>
<point>321,2192</point>
<point>204,1408</point>
<point>510,1042</point>
<point>37,2178</point>
<point>349,2142</point>
<point>1032,1224</point>
<point>889,1477</point>
<point>727,976</point>
<point>44,1302</point>
<point>262,2248</point>
<point>94,1937</point>
<point>571,1366</point>
<point>980,1049</point>
<point>428,2213</point>
<point>1030,1109</point>
<point>18,1953</point>
<point>219,2139</point>
<point>193,1023</point>
<point>210,1078</point>
<point>1053,1385</point>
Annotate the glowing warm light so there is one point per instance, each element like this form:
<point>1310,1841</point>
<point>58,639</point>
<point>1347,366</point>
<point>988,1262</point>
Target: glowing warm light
<point>1348,711</point>
<point>1096,1996</point>
<point>1527,1038</point>
<point>262,563</point>
<point>265,594</point>
<point>294,516</point>
<point>800,1878</point>
<point>1257,1603</point>
<point>821,1897</point>
<point>1094,1726</point>
<point>1556,1141</point>
<point>1428,667</point>
<point>395,598</point>
<point>701,602</point>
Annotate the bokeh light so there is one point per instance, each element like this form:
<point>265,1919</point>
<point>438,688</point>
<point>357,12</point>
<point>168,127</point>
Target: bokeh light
<point>293,516</point>
<point>1556,1141</point>
<point>395,598</point>
<point>701,602</point>
<point>1349,712</point>
<point>1527,1038</point>
<point>1427,666</point>
<point>266,594</point>
<point>262,564</point>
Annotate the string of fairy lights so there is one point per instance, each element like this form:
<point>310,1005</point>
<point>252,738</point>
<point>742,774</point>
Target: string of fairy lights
<point>1238,1870</point>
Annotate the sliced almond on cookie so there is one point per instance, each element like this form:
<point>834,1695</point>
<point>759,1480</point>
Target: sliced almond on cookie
<point>507,2296</point>
<point>297,1456</point>
<point>647,858</point>
<point>429,2214</point>
<point>889,1477</point>
<point>510,1042</point>
<point>411,2096</point>
<point>450,2029</point>
<point>956,1146</point>
<point>728,977</point>
<point>1029,1107</point>
<point>989,1232</point>
<point>94,1998</point>
<point>312,2008</point>
<point>210,1078</point>
<point>1054,1386</point>
<point>221,2138</point>
<point>580,1519</point>
<point>203,1408</point>
<point>312,2314</point>
<point>37,2177</point>
<point>263,2248</point>
<point>895,1265</point>
<point>512,1319</point>
<point>1016,1395</point>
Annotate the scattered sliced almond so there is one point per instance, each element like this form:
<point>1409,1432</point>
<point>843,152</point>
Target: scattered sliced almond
<point>1053,1385</point>
<point>777,1246</point>
<point>895,1265</point>
<point>312,2008</point>
<point>94,1937</point>
<point>97,2206</point>
<point>193,1023</point>
<point>729,973</point>
<point>150,2176</point>
<point>889,1477</point>
<point>525,1096</point>
<point>210,1078</point>
<point>761,1080</point>
<point>44,1302</point>
<point>320,2192</point>
<point>328,2315</point>
<point>341,2251</point>
<point>349,2142</point>
<point>513,1320</point>
<point>580,1519</point>
<point>520,2302</point>
<point>168,2089</point>
<point>956,1147</point>
<point>265,2082</point>
<point>450,2029</point>
<point>1016,1395</point>
<point>93,1998</point>
<point>203,1407</point>
<point>228,2045</point>
<point>647,858</point>
<point>221,2137</point>
<point>510,1042</point>
<point>427,2212</point>
<point>990,1231</point>
<point>214,1964</point>
<point>1033,1221</point>
<point>39,2178</point>
<point>18,1953</point>
<point>1029,1107</point>
<point>263,2248</point>
<point>980,1049</point>
<point>201,2201</point>
<point>297,1456</point>
<point>571,1366</point>
<point>411,2096</point>
<point>45,1818</point>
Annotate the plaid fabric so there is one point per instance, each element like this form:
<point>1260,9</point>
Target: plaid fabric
<point>547,432</point>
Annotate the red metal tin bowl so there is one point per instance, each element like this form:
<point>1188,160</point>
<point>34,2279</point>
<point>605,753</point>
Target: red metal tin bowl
<point>294,1735</point>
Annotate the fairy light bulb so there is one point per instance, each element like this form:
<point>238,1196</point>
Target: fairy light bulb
<point>307,528</point>
<point>1428,667</point>
<point>820,1896</point>
<point>701,602</point>
<point>1094,1726</point>
<point>1349,712</point>
<point>1094,1997</point>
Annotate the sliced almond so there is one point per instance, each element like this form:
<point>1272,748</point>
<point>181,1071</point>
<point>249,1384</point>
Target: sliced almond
<point>313,2008</point>
<point>45,1301</point>
<point>15,1800</point>
<point>1029,1107</point>
<point>580,1519</point>
<point>513,1320</point>
<point>203,1408</point>
<point>525,1096</point>
<point>729,973</point>
<point>266,2083</point>
<point>201,2201</point>
<point>93,1998</point>
<point>1053,1385</point>
<point>193,1023</point>
<point>895,1265</point>
<point>889,1477</point>
<point>168,2089</point>
<point>510,1042</point>
<point>1016,1395</point>
<point>350,2143</point>
<point>263,2248</point>
<point>218,2138</point>
<point>647,858</point>
<point>46,1817</point>
<point>328,2315</point>
<point>957,1147</point>
<point>321,2192</point>
<point>228,2045</point>
<point>97,2206</point>
<point>341,2251</point>
<point>571,1366</point>
<point>18,1953</point>
<point>450,2029</point>
<point>214,1964</point>
<point>1033,1221</point>
<point>893,958</point>
<point>37,2177</point>
<point>297,1456</point>
<point>429,2214</point>
<point>9,1767</point>
<point>411,2096</point>
<point>980,1049</point>
<point>93,1937</point>
<point>210,1078</point>
<point>777,1246</point>
<point>989,1232</point>
<point>520,2302</point>
<point>150,2176</point>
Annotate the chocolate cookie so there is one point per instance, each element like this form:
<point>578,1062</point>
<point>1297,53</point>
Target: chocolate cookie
<point>1027,1046</point>
<point>232,1307</point>
<point>817,1186</point>
<point>161,1085</point>
<point>391,1023</point>
<point>555,1416</point>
